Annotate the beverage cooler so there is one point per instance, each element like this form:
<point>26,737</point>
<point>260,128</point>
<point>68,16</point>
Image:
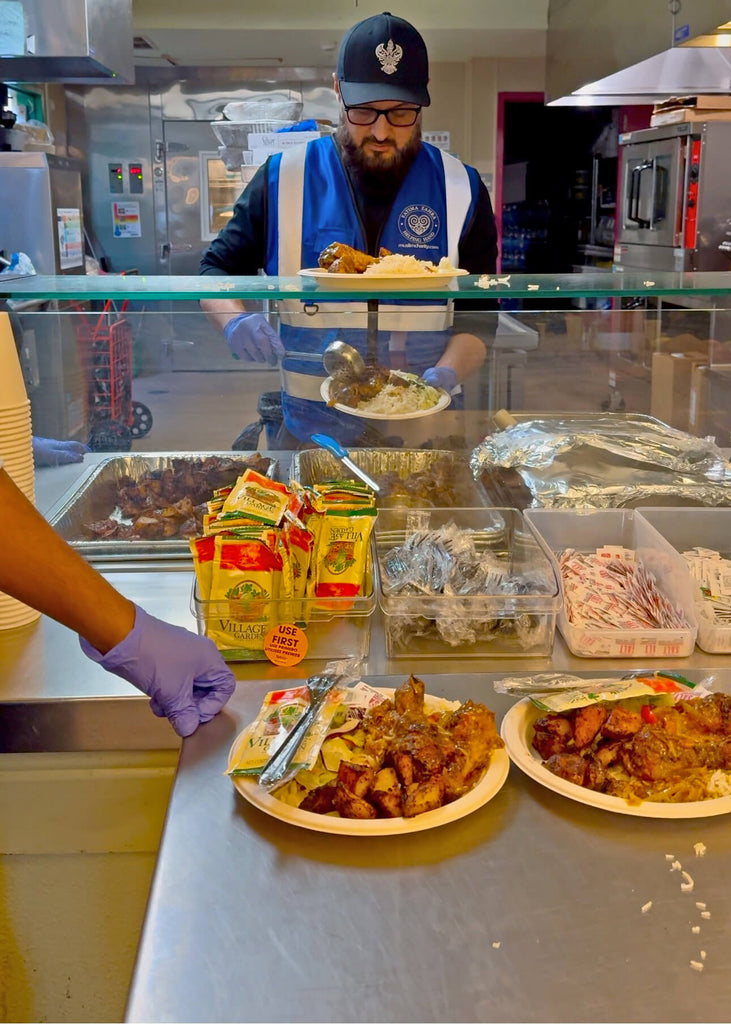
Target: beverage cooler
<point>41,215</point>
<point>675,211</point>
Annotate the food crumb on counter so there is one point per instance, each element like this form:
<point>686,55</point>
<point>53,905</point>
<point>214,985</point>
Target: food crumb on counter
<point>703,954</point>
<point>696,965</point>
<point>669,856</point>
<point>706,914</point>
<point>687,885</point>
<point>496,945</point>
<point>700,849</point>
<point>701,906</point>
<point>696,929</point>
<point>676,866</point>
<point>646,906</point>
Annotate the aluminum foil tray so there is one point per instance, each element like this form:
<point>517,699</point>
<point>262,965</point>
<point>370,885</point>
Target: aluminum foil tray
<point>624,461</point>
<point>95,498</point>
<point>314,465</point>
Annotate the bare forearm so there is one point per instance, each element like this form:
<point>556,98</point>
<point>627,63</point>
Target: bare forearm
<point>40,569</point>
<point>464,353</point>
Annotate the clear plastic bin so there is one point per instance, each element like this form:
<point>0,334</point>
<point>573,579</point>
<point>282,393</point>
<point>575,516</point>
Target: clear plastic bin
<point>503,625</point>
<point>686,528</point>
<point>335,627</point>
<point>588,529</point>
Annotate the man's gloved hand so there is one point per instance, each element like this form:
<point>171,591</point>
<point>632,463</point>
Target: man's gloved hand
<point>183,674</point>
<point>440,377</point>
<point>251,337</point>
<point>48,452</point>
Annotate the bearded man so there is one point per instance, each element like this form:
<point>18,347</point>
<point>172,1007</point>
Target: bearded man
<point>373,184</point>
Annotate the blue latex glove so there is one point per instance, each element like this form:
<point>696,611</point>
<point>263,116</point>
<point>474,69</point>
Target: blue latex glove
<point>251,337</point>
<point>48,452</point>
<point>440,377</point>
<point>183,674</point>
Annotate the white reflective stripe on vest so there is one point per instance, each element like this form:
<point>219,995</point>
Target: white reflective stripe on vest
<point>390,318</point>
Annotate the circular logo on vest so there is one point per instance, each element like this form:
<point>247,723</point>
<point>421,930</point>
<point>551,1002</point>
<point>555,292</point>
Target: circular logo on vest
<point>418,223</point>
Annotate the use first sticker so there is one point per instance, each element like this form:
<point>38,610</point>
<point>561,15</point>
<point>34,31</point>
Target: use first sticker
<point>285,644</point>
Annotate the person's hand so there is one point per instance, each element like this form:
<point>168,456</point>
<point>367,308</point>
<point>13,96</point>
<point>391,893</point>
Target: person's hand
<point>48,452</point>
<point>183,674</point>
<point>251,337</point>
<point>440,377</point>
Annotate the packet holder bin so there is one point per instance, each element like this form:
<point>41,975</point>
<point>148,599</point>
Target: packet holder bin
<point>505,625</point>
<point>335,627</point>
<point>686,528</point>
<point>586,530</point>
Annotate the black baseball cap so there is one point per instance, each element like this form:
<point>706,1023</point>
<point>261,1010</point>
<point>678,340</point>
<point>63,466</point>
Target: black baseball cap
<point>383,58</point>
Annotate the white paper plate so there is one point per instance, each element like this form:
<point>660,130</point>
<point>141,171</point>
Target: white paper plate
<point>489,785</point>
<point>517,734</point>
<point>444,399</point>
<point>397,282</point>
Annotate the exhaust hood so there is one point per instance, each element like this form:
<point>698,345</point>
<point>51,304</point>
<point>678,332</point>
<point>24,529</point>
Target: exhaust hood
<point>73,41</point>
<point>680,71</point>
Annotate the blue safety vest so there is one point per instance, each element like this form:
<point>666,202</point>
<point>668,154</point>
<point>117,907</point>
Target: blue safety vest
<point>309,206</point>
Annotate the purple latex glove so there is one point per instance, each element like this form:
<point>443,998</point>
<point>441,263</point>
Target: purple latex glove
<point>183,674</point>
<point>440,377</point>
<point>48,452</point>
<point>251,337</point>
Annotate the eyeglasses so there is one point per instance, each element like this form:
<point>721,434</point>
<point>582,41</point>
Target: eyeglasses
<point>397,117</point>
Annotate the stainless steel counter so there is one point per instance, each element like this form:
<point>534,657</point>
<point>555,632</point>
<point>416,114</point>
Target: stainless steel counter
<point>530,909</point>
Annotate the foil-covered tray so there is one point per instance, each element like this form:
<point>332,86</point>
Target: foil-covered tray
<point>418,478</point>
<point>96,498</point>
<point>602,460</point>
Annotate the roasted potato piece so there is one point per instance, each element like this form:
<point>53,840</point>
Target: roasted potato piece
<point>356,778</point>
<point>405,767</point>
<point>386,793</point>
<point>350,806</point>
<point>319,800</point>
<point>423,796</point>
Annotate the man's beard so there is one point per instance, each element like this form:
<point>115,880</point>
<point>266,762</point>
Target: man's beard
<point>377,166</point>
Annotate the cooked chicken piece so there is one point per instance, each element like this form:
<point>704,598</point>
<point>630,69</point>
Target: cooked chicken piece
<point>707,714</point>
<point>571,767</point>
<point>621,724</point>
<point>423,796</point>
<point>654,755</point>
<point>587,723</point>
<point>338,258</point>
<point>410,696</point>
<point>356,778</point>
<point>429,747</point>
<point>553,734</point>
<point>319,800</point>
<point>350,806</point>
<point>472,727</point>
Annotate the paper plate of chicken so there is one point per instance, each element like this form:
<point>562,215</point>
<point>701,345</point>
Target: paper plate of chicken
<point>341,266</point>
<point>377,393</point>
<point>413,762</point>
<point>629,757</point>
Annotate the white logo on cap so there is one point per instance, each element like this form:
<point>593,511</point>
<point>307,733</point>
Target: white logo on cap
<point>389,56</point>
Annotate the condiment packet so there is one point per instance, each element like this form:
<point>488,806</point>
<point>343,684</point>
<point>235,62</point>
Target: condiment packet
<point>279,713</point>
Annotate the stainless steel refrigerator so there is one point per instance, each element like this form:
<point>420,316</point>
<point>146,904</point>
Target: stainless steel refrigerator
<point>41,215</point>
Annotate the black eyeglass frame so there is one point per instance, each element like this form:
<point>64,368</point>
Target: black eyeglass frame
<point>385,113</point>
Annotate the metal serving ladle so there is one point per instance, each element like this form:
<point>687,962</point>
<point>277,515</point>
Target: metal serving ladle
<point>340,356</point>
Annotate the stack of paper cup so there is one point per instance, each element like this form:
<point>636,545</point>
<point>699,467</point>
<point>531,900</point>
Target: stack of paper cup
<point>16,450</point>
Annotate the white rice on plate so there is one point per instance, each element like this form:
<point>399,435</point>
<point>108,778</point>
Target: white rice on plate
<point>397,265</point>
<point>393,400</point>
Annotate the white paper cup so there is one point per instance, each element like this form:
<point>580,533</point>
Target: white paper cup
<point>12,386</point>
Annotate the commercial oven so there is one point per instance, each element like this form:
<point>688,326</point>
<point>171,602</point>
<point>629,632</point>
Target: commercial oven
<point>675,208</point>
